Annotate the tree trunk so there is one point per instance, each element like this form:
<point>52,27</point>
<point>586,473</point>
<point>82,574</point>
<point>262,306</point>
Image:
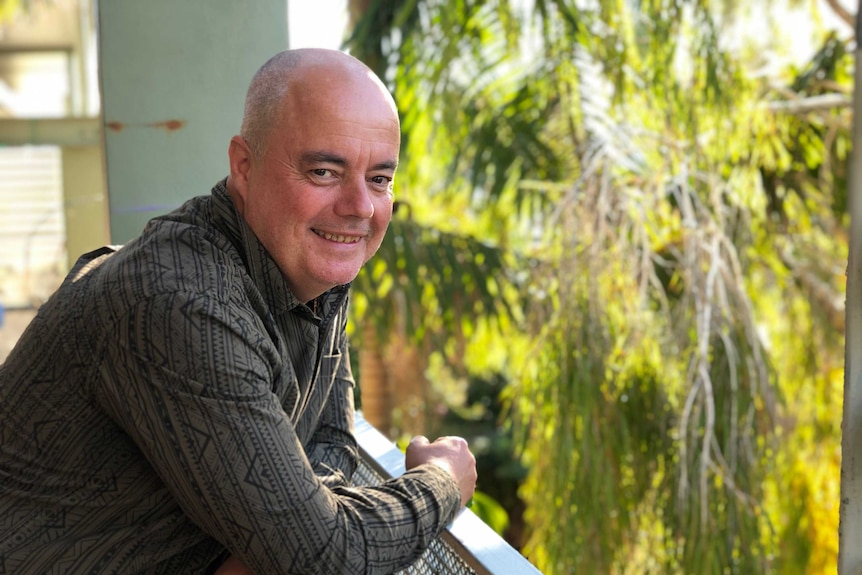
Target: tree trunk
<point>406,370</point>
<point>374,59</point>
<point>373,381</point>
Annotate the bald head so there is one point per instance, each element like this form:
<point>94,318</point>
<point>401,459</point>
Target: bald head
<point>297,70</point>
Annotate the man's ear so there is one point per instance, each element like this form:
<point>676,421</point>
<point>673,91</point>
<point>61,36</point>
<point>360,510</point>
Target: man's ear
<point>241,158</point>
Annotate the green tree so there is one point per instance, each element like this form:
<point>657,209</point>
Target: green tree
<point>675,226</point>
<point>431,286</point>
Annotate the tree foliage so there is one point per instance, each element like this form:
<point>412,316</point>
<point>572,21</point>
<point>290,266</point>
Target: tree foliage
<point>666,246</point>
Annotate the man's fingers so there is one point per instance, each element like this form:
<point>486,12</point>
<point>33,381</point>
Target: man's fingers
<point>414,455</point>
<point>232,567</point>
<point>419,440</point>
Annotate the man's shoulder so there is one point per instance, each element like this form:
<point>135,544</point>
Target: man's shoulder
<point>184,251</point>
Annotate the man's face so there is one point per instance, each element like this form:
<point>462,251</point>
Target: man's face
<point>320,197</point>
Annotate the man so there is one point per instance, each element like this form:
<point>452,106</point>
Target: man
<point>189,397</point>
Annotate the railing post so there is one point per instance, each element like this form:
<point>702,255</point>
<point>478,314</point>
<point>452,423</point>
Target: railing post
<point>850,528</point>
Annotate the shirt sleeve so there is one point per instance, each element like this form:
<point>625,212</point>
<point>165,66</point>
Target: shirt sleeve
<point>191,384</point>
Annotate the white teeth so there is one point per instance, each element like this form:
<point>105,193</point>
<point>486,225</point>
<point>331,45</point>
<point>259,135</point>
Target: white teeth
<point>338,238</point>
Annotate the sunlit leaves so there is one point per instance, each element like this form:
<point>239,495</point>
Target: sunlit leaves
<point>435,281</point>
<point>676,230</point>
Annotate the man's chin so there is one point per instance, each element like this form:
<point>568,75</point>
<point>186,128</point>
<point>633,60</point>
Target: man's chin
<point>336,280</point>
<point>343,274</point>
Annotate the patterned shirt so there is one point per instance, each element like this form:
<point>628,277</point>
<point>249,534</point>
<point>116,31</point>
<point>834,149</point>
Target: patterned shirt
<point>173,402</point>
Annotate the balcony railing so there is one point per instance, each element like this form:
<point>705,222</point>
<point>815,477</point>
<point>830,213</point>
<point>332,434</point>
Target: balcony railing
<point>467,546</point>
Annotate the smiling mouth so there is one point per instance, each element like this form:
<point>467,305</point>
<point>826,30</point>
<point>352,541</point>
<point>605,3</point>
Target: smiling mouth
<point>338,238</point>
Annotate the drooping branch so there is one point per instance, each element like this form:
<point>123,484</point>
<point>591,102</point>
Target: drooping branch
<point>818,103</point>
<point>842,13</point>
<point>820,293</point>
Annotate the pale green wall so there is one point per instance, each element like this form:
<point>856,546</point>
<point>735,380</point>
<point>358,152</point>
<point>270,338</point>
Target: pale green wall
<point>174,76</point>
<point>84,201</point>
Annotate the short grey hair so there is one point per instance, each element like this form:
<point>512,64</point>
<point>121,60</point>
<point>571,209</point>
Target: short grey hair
<point>265,96</point>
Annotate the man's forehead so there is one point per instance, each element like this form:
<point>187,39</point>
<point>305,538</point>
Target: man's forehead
<point>338,91</point>
<point>319,132</point>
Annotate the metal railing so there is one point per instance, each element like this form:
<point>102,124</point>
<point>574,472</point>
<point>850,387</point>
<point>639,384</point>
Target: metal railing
<point>467,546</point>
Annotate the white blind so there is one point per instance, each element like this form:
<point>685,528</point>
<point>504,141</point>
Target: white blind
<point>32,230</point>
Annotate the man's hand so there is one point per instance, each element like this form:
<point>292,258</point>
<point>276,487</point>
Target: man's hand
<point>450,453</point>
<point>232,567</point>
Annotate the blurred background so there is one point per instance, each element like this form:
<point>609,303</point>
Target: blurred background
<point>51,159</point>
<point>617,263</point>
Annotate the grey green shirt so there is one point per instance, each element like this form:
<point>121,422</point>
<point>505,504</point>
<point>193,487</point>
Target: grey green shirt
<point>173,402</point>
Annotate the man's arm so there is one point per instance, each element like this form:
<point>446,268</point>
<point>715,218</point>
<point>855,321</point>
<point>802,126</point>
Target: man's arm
<point>449,453</point>
<point>191,386</point>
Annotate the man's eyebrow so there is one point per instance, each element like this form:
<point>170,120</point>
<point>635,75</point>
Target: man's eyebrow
<point>387,165</point>
<point>323,158</point>
<point>320,157</point>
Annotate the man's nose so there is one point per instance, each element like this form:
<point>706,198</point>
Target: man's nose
<point>355,199</point>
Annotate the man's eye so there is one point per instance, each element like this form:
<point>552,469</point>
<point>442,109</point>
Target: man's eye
<point>322,172</point>
<point>381,179</point>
